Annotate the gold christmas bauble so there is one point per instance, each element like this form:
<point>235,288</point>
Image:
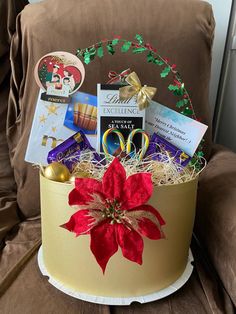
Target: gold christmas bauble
<point>57,172</point>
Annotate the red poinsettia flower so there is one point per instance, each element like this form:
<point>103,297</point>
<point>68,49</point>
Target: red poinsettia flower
<point>115,214</point>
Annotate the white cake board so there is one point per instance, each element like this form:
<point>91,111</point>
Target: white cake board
<point>118,301</point>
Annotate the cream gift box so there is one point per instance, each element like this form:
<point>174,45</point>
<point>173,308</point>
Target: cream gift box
<point>69,260</point>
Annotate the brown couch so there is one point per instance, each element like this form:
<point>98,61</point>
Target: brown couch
<point>182,30</point>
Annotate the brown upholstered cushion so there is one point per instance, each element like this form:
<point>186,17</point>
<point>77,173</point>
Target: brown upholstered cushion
<point>8,207</point>
<point>181,30</point>
<point>216,215</point>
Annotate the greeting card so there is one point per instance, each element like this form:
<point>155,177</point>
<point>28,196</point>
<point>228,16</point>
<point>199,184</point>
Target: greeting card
<point>179,130</point>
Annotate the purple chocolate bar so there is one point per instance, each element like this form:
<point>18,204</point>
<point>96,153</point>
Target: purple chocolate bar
<point>159,144</point>
<point>68,152</point>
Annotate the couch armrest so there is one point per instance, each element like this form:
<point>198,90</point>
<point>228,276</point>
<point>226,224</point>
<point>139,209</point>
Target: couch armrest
<point>8,205</point>
<point>215,224</point>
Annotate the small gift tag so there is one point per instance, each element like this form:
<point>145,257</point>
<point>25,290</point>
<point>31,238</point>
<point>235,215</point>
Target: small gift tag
<point>59,74</point>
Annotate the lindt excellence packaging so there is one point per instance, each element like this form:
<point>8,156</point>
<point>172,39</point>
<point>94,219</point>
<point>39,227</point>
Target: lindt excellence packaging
<point>123,115</point>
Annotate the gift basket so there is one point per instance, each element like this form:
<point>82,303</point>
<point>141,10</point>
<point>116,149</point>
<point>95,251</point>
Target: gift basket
<point>118,185</point>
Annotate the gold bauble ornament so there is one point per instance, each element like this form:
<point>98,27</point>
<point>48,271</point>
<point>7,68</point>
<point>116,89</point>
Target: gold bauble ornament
<point>57,172</point>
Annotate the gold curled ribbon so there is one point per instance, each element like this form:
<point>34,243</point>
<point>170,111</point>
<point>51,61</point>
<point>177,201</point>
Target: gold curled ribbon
<point>144,93</point>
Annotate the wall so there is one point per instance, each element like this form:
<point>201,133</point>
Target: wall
<point>225,118</point>
<point>221,9</point>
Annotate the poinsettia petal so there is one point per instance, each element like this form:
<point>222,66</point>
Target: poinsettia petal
<point>152,210</point>
<point>81,222</point>
<point>137,190</point>
<point>149,229</point>
<point>146,220</point>
<point>103,243</point>
<point>113,180</point>
<point>75,197</point>
<point>131,243</point>
<point>84,188</point>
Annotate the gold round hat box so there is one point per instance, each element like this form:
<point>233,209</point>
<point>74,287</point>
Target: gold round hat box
<point>72,268</point>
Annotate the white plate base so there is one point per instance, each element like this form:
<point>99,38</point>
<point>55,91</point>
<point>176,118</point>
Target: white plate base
<point>119,301</point>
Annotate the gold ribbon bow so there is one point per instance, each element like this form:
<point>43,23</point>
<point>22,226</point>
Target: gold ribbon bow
<point>144,94</point>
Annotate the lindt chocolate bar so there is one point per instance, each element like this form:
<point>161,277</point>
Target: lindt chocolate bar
<point>123,115</point>
<point>158,144</point>
<point>68,152</point>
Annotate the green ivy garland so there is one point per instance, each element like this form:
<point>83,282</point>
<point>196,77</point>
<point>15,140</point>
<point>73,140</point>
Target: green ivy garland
<point>138,46</point>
